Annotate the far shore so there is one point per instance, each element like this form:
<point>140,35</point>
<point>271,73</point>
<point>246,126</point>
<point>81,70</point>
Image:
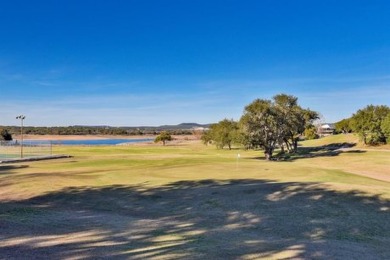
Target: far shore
<point>95,137</point>
<point>80,137</point>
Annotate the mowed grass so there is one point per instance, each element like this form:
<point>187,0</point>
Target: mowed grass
<point>192,201</point>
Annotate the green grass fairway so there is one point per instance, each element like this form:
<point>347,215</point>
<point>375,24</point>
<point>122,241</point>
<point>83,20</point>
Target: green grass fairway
<point>189,201</point>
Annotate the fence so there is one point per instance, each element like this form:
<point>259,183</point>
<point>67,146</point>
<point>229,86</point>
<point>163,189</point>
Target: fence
<point>14,149</point>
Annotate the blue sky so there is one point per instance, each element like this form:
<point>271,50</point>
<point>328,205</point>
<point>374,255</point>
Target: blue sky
<point>143,62</point>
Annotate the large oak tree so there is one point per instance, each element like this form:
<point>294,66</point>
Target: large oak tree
<point>280,121</point>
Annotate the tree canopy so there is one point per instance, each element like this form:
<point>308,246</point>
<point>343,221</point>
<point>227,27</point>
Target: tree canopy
<point>344,126</point>
<point>367,123</point>
<point>294,119</point>
<point>163,137</point>
<point>261,123</point>
<point>385,127</point>
<point>280,121</point>
<point>224,133</point>
<point>5,135</point>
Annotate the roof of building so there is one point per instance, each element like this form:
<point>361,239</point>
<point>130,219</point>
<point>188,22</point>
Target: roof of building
<point>332,126</point>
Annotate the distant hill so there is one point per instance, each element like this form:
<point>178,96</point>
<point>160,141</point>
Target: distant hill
<point>182,126</point>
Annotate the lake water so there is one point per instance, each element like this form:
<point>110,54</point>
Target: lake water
<point>87,142</point>
<point>34,148</point>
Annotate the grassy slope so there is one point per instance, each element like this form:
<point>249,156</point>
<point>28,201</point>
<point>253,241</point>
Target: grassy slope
<point>157,165</point>
<point>196,200</point>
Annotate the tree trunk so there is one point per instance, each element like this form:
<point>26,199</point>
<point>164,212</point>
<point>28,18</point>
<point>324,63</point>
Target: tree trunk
<point>268,154</point>
<point>288,145</point>
<point>295,145</point>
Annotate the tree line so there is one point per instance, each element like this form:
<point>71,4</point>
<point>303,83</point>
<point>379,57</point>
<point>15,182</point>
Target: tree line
<point>265,124</point>
<point>281,122</point>
<point>371,123</point>
<point>6,132</point>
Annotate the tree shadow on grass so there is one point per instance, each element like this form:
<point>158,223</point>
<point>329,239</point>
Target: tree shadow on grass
<point>328,150</point>
<point>9,168</point>
<point>197,219</point>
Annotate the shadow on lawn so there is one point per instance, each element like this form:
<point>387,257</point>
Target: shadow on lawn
<point>197,219</point>
<point>329,150</point>
<point>333,149</point>
<point>9,168</point>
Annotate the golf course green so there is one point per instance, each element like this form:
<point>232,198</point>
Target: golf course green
<point>191,201</point>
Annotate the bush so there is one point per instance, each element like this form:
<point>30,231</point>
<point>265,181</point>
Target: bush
<point>310,133</point>
<point>5,135</point>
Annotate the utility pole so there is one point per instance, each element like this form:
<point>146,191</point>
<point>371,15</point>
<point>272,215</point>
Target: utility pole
<point>21,117</point>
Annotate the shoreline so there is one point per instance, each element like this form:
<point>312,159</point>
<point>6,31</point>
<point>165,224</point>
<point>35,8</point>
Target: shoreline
<point>95,137</point>
<point>79,137</point>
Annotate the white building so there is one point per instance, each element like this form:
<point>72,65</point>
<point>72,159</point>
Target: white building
<point>326,129</point>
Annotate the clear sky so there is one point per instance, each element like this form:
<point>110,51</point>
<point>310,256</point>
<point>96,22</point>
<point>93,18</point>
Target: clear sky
<point>144,62</point>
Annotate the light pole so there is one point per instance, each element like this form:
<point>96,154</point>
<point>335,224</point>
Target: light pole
<point>21,117</point>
